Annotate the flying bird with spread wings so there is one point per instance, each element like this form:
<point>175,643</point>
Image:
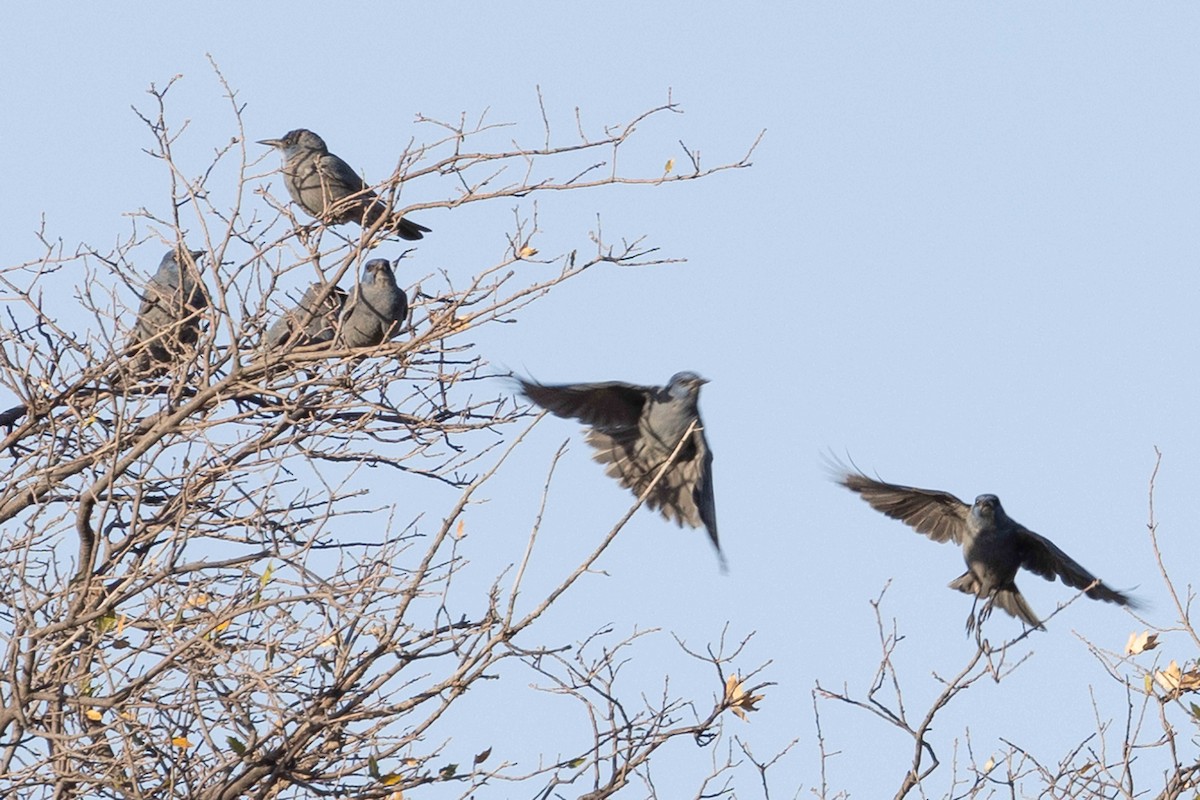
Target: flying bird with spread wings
<point>994,545</point>
<point>634,430</point>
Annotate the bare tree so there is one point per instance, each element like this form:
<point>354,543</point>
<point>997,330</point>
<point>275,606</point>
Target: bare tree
<point>199,596</point>
<point>1146,746</point>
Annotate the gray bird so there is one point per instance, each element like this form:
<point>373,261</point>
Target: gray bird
<point>994,545</point>
<point>634,429</point>
<point>309,322</point>
<point>376,309</point>
<point>169,318</point>
<point>328,189</point>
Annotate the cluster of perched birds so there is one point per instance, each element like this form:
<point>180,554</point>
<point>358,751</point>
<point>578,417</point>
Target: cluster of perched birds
<point>650,438</point>
<point>328,189</point>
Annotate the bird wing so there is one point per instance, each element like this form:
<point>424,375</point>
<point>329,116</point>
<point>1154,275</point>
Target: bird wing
<point>1042,557</point>
<point>336,172</point>
<point>702,486</point>
<point>611,407</point>
<point>939,515</point>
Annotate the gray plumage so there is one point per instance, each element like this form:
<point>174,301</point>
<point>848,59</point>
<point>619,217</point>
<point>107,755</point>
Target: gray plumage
<point>328,189</point>
<point>994,545</point>
<point>370,315</point>
<point>634,429</point>
<point>377,308</point>
<point>168,320</point>
<point>309,322</point>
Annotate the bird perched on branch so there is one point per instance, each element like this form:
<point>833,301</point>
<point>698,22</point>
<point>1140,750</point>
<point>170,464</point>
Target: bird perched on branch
<point>994,545</point>
<point>328,189</point>
<point>312,321</point>
<point>634,430</point>
<point>370,315</point>
<point>376,309</point>
<point>168,320</point>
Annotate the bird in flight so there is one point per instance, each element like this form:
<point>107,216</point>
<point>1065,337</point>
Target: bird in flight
<point>994,545</point>
<point>634,430</point>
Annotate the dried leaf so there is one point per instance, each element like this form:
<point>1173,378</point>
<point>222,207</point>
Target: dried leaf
<point>989,764</point>
<point>1141,642</point>
<point>236,745</point>
<point>527,252</point>
<point>391,779</point>
<point>373,767</point>
<point>482,757</point>
<point>670,165</point>
<point>461,530</point>
<point>181,742</point>
<point>1177,681</point>
<point>93,714</point>
<point>737,699</point>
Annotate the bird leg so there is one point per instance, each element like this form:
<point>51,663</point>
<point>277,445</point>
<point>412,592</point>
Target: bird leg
<point>974,619</point>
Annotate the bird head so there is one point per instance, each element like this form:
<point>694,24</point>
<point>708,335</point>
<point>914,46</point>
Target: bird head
<point>987,507</point>
<point>378,269</point>
<point>685,384</point>
<point>296,141</point>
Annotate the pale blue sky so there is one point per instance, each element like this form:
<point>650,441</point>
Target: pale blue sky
<point>966,255</point>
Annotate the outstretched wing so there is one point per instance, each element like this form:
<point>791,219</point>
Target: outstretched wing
<point>939,515</point>
<point>611,407</point>
<point>1042,557</point>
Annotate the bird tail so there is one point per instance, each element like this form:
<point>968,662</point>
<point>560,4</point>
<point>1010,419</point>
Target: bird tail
<point>1011,600</point>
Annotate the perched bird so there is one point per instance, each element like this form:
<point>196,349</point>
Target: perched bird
<point>994,545</point>
<point>309,322</point>
<point>376,309</point>
<point>169,318</point>
<point>373,313</point>
<point>634,430</point>
<point>328,189</point>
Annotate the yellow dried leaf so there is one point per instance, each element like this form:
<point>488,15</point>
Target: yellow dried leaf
<point>989,764</point>
<point>527,252</point>
<point>737,699</point>
<point>199,600</point>
<point>1141,642</point>
<point>391,779</point>
<point>670,165</point>
<point>221,626</point>
<point>181,742</point>
<point>461,530</point>
<point>329,641</point>
<point>93,714</point>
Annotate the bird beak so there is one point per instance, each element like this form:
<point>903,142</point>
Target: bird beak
<point>196,254</point>
<point>271,142</point>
